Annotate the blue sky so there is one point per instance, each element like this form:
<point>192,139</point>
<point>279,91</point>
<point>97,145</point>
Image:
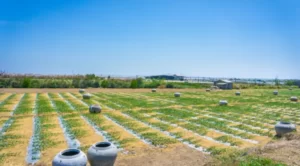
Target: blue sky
<point>238,38</point>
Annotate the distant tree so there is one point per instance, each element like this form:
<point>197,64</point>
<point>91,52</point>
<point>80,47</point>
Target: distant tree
<point>290,82</point>
<point>140,82</point>
<point>169,85</point>
<point>26,82</point>
<point>104,84</point>
<point>90,76</point>
<point>96,84</point>
<point>134,84</point>
<point>35,84</point>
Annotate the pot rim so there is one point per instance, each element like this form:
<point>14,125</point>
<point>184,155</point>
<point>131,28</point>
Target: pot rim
<point>285,122</point>
<point>102,148</point>
<point>69,157</point>
<point>95,105</point>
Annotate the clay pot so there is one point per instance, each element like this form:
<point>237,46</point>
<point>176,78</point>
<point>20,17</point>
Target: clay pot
<point>102,154</point>
<point>177,94</point>
<point>153,90</point>
<point>95,108</point>
<point>237,93</point>
<point>70,157</point>
<point>282,128</point>
<point>275,92</point>
<point>223,102</point>
<point>86,96</point>
<point>294,98</point>
<point>81,90</point>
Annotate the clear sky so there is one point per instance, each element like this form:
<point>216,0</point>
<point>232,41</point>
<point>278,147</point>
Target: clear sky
<point>217,38</point>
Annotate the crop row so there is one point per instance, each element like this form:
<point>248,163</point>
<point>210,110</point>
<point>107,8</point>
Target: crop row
<point>145,132</point>
<point>103,125</point>
<point>194,138</point>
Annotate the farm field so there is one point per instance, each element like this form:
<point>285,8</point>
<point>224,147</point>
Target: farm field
<point>35,126</point>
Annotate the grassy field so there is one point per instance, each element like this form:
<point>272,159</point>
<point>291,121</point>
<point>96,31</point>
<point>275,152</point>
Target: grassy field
<point>34,127</point>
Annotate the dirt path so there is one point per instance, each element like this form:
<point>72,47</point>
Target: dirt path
<point>178,156</point>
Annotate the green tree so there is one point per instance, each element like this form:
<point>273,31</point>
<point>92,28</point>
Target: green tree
<point>104,84</point>
<point>134,84</point>
<point>96,84</point>
<point>26,83</point>
<point>140,82</point>
<point>290,82</point>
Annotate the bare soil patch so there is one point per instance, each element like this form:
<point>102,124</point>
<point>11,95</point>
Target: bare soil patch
<point>179,156</point>
<point>285,150</point>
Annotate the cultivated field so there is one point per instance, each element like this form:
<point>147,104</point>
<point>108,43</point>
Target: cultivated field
<point>34,127</point>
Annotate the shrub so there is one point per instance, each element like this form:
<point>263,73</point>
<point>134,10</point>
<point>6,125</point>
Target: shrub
<point>134,84</point>
<point>169,85</point>
<point>104,84</point>
<point>26,83</point>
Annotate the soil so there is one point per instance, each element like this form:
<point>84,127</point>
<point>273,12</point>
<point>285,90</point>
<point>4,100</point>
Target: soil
<point>285,150</point>
<point>179,156</point>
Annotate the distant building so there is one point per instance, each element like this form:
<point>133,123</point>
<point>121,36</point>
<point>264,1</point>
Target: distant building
<point>166,77</point>
<point>223,84</point>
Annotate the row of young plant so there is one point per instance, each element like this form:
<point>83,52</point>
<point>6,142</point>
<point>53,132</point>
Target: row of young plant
<point>153,138</point>
<point>145,96</point>
<point>238,120</point>
<point>42,137</point>
<point>6,101</point>
<point>240,113</point>
<point>234,124</point>
<point>10,120</point>
<point>268,115</point>
<point>185,100</point>
<point>106,102</point>
<point>240,127</point>
<point>7,138</point>
<point>175,115</point>
<point>166,127</point>
<point>198,129</point>
<point>119,100</point>
<point>284,114</point>
<point>24,106</point>
<point>134,101</point>
<point>109,101</point>
<point>248,128</point>
<point>95,121</point>
<point>77,106</point>
<point>68,121</point>
<point>144,132</point>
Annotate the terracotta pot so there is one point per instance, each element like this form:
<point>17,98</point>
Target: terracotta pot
<point>70,157</point>
<point>95,108</point>
<point>294,98</point>
<point>177,94</point>
<point>282,128</point>
<point>223,102</point>
<point>102,154</point>
<point>86,96</point>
